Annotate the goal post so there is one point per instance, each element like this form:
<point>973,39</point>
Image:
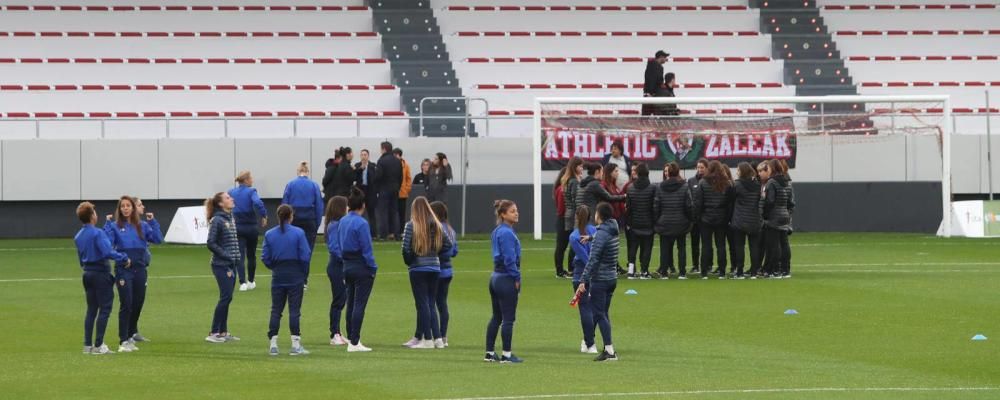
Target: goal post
<point>738,120</point>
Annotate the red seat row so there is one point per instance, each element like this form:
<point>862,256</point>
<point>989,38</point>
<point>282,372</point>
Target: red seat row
<point>922,58</point>
<point>203,114</point>
<point>609,33</point>
<point>929,84</point>
<point>189,34</point>
<point>861,7</point>
<point>179,8</point>
<point>193,61</point>
<point>511,86</point>
<point>610,59</point>
<point>637,112</point>
<point>597,8</point>
<point>974,32</point>
<point>8,87</point>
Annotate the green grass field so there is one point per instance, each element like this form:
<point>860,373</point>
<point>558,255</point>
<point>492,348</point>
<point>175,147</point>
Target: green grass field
<point>881,316</point>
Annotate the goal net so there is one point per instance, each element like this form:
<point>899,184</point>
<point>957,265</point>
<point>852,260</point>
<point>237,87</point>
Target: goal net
<point>803,131</point>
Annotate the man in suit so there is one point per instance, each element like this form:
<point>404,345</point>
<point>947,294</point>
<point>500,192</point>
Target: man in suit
<point>366,173</point>
<point>388,181</point>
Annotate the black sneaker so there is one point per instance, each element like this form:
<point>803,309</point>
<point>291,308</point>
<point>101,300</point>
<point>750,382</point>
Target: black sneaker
<point>491,357</point>
<point>695,270</point>
<point>631,276</point>
<point>510,360</point>
<point>645,275</point>
<point>606,357</point>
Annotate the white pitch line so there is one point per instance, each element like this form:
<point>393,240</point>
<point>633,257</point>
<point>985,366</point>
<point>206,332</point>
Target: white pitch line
<point>733,391</point>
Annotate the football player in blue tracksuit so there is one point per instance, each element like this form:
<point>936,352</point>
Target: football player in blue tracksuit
<point>505,283</point>
<point>447,271</point>
<point>248,211</point>
<point>286,254</point>
<point>306,199</point>
<point>359,266</point>
<point>94,250</point>
<point>336,208</point>
<point>128,235</point>
<point>579,240</point>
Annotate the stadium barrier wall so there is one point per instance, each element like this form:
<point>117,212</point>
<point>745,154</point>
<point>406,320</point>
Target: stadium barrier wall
<point>842,184</point>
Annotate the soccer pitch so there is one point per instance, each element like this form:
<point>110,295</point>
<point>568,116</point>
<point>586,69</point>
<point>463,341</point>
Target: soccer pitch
<point>880,316</point>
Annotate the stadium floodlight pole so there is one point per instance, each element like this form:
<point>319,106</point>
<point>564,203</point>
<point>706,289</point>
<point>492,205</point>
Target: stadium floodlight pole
<point>946,131</point>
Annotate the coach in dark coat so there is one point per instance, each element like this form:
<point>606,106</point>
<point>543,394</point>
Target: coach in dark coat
<point>653,79</point>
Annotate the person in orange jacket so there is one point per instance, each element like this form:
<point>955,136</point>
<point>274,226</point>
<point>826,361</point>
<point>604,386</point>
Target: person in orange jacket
<point>404,189</point>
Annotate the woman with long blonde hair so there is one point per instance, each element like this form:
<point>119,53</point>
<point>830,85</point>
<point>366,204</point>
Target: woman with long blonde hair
<point>423,243</point>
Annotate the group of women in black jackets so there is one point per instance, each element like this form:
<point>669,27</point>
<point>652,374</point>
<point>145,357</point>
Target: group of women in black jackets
<point>751,212</point>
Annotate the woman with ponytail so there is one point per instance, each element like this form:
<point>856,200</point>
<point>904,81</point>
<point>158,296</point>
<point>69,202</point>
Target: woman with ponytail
<point>580,240</point>
<point>286,253</point>
<point>335,210</point>
<point>225,248</point>
<point>355,238</point>
<point>505,283</point>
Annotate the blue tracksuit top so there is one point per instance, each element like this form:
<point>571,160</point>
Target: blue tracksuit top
<point>333,239</point>
<point>305,198</point>
<point>287,255</point>
<point>446,267</point>
<point>249,207</point>
<point>506,252</point>
<point>94,249</point>
<point>125,239</point>
<point>581,251</point>
<point>356,242</point>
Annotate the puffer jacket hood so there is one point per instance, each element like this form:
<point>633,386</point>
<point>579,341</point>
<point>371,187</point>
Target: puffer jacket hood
<point>641,183</point>
<point>671,185</point>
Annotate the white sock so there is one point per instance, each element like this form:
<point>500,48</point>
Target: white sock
<point>610,349</point>
<point>491,353</point>
<point>506,354</point>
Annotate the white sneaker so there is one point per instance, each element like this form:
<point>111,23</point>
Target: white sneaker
<point>243,287</point>
<point>273,349</point>
<point>424,344</point>
<point>252,285</point>
<point>101,350</point>
<point>583,346</point>
<point>438,344</point>
<point>88,349</point>
<point>131,345</point>
<point>124,347</point>
<point>592,349</point>
<point>412,342</point>
<point>337,340</point>
<point>359,348</point>
<point>230,338</point>
<point>215,338</point>
<point>297,349</point>
<point>445,342</point>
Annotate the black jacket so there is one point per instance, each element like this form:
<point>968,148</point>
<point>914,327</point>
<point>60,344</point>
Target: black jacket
<point>778,203</point>
<point>569,197</point>
<point>437,183</point>
<point>390,173</point>
<point>710,206</point>
<point>672,207</point>
<point>344,179</point>
<point>745,201</point>
<point>330,178</point>
<point>654,78</point>
<point>639,203</point>
<point>591,193</point>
